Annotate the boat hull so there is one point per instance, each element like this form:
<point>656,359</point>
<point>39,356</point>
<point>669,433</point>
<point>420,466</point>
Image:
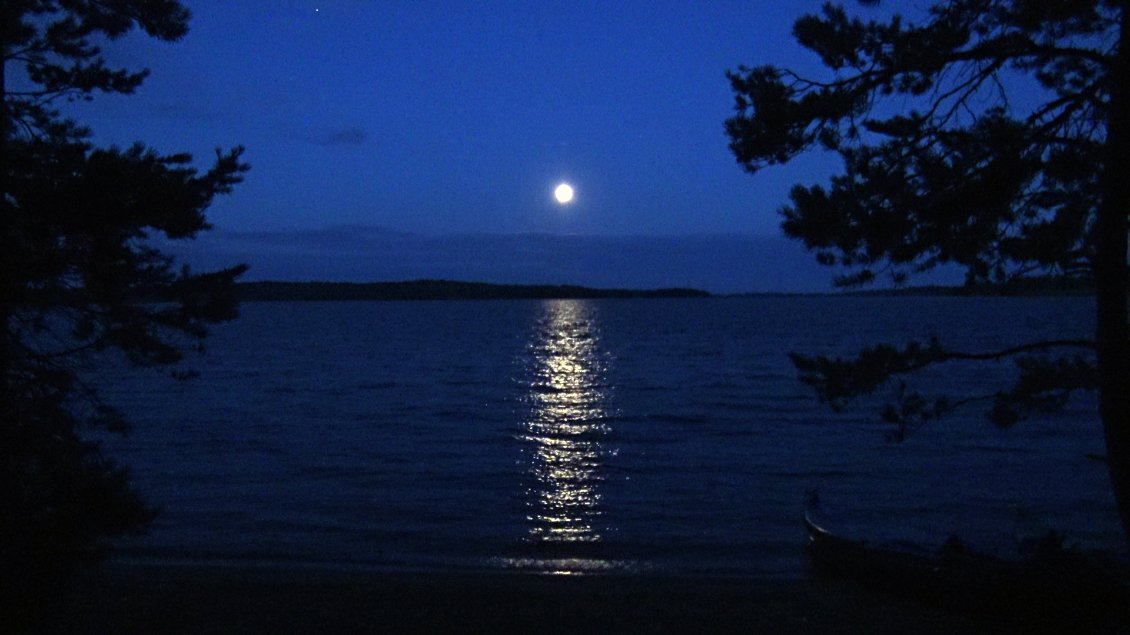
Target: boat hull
<point>1051,579</point>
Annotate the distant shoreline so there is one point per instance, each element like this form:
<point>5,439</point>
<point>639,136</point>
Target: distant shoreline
<point>273,291</point>
<point>439,290</point>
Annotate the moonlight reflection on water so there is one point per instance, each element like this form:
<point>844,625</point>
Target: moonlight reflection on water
<point>565,434</point>
<point>666,436</point>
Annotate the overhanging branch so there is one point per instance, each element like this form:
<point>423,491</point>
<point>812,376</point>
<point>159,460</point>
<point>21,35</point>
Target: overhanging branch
<point>1018,350</point>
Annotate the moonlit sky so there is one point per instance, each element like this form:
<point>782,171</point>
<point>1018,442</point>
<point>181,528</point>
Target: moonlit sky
<point>430,123</point>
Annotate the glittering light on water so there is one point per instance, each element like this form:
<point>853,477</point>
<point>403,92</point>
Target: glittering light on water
<point>565,431</point>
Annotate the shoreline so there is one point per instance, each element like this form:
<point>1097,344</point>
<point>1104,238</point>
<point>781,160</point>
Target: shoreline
<point>550,566</point>
<point>164,598</point>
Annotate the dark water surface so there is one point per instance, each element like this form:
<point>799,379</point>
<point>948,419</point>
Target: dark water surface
<point>666,436</point>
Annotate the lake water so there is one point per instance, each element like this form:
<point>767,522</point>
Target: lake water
<point>576,436</point>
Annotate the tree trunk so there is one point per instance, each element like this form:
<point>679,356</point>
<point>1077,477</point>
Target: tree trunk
<point>1112,336</point>
<point>5,249</point>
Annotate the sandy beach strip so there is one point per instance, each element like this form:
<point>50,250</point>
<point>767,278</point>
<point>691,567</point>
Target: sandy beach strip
<point>161,598</point>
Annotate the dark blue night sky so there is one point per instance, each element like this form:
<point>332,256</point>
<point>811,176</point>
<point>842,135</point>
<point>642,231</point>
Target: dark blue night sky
<point>439,121</point>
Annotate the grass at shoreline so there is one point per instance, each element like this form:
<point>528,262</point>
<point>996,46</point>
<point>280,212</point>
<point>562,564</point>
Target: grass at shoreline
<point>178,599</point>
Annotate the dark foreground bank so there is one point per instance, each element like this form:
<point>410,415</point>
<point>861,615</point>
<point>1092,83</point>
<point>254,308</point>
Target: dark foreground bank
<point>177,599</point>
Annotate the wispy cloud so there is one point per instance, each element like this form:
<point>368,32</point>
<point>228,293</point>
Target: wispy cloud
<point>347,136</point>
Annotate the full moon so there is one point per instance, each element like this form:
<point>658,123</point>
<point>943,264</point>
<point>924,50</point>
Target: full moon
<point>563,193</point>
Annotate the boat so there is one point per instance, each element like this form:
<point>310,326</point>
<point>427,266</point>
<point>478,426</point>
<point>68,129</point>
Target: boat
<point>1049,579</point>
